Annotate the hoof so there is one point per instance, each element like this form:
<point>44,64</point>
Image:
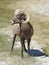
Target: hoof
<point>25,50</point>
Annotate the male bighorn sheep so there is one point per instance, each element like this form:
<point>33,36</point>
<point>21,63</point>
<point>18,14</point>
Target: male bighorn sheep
<point>24,30</point>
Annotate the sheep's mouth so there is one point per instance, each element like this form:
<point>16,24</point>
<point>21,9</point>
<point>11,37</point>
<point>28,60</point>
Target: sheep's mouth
<point>13,22</point>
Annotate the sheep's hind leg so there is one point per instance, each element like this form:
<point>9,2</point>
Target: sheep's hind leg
<point>29,46</point>
<point>22,48</point>
<point>14,37</point>
<point>25,47</point>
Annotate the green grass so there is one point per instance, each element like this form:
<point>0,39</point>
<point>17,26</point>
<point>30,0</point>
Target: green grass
<point>6,16</point>
<point>5,44</point>
<point>46,49</point>
<point>5,13</point>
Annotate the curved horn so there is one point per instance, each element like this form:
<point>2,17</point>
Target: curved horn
<point>27,16</point>
<point>18,11</point>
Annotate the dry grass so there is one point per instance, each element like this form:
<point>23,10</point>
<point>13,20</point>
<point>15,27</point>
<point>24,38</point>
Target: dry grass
<point>39,22</point>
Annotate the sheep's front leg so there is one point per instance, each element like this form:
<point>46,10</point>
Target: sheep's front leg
<point>14,37</point>
<point>22,48</point>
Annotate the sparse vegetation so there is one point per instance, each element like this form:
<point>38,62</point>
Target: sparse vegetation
<point>40,24</point>
<point>46,49</point>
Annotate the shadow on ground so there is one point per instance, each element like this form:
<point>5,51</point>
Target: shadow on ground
<point>36,53</point>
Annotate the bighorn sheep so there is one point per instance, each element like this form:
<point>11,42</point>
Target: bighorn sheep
<point>24,30</point>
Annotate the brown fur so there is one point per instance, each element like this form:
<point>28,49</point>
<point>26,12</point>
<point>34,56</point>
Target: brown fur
<point>26,32</point>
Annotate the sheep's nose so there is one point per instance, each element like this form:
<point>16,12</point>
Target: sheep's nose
<point>11,22</point>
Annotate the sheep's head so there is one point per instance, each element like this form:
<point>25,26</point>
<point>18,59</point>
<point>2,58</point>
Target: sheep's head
<point>18,19</point>
<point>22,16</point>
